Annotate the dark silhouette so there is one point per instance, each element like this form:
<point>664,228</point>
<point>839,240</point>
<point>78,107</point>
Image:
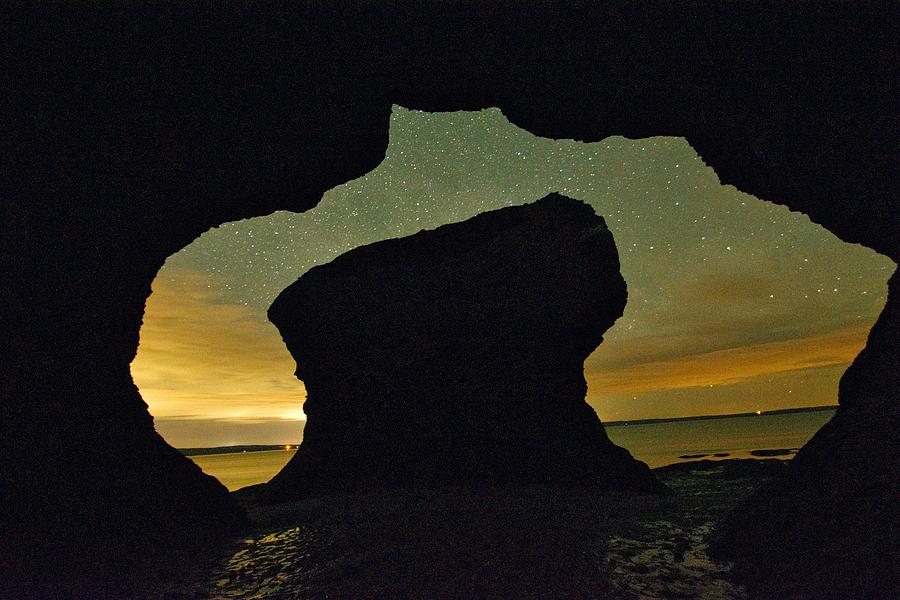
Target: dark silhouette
<point>456,355</point>
<point>129,132</point>
<point>837,505</point>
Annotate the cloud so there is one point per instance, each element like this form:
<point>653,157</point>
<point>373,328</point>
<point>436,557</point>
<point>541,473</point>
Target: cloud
<point>710,311</point>
<point>729,288</point>
<point>200,358</point>
<point>215,373</point>
<point>732,365</point>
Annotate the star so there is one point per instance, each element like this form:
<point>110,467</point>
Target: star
<point>725,251</point>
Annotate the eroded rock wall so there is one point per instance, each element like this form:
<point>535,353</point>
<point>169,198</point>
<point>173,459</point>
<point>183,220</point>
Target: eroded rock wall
<point>132,131</point>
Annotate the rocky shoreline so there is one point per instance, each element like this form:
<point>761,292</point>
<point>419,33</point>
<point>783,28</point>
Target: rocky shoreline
<point>528,542</point>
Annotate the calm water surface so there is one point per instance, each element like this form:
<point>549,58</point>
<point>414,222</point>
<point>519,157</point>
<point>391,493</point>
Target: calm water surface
<point>656,444</point>
<point>659,444</point>
<point>244,468</point>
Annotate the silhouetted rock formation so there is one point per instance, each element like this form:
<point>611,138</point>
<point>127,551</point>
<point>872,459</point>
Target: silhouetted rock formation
<point>838,504</point>
<point>456,355</point>
<point>132,132</point>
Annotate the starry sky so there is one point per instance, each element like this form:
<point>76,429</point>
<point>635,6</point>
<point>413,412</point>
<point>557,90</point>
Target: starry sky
<point>735,304</point>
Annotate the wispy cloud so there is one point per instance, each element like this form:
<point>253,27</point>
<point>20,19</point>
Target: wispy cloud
<point>214,373</point>
<point>728,366</point>
<point>200,358</point>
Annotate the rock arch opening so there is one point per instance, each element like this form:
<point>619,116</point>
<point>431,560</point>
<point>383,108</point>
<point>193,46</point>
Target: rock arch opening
<point>131,133</point>
<point>736,305</point>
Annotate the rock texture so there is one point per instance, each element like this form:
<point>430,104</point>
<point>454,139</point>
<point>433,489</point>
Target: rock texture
<point>838,504</point>
<point>456,355</point>
<point>132,132</point>
<point>504,542</point>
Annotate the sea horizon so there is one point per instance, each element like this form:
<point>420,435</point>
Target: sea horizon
<point>656,442</point>
<point>247,448</point>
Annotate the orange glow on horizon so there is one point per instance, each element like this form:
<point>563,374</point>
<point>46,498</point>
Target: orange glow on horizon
<point>202,359</point>
<point>725,367</point>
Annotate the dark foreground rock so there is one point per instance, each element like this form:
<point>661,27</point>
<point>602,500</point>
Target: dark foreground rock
<point>456,355</point>
<point>773,452</point>
<point>513,541</point>
<point>830,527</point>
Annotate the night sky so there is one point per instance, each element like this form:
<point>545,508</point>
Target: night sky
<point>735,304</point>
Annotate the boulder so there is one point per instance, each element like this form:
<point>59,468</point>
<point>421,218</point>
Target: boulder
<point>456,355</point>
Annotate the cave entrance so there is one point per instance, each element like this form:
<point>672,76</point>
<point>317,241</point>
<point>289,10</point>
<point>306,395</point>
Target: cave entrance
<point>735,305</point>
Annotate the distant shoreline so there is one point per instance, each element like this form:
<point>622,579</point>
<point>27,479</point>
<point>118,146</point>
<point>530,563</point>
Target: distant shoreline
<point>271,447</point>
<point>236,449</point>
<point>765,413</point>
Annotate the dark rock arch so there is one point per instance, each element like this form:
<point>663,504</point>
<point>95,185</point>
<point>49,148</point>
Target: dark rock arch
<point>130,132</point>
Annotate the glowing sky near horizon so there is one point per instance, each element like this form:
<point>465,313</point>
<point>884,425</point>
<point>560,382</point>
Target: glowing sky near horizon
<point>735,304</point>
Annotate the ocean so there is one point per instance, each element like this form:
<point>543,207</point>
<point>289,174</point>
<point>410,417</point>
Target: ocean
<point>657,444</point>
<point>660,444</point>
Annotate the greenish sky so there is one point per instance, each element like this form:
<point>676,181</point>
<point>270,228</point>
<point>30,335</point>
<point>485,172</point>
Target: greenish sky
<point>735,304</point>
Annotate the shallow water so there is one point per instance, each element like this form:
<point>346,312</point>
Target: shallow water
<point>657,444</point>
